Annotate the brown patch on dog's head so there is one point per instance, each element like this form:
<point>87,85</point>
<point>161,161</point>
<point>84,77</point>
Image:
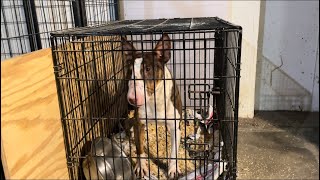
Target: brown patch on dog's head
<point>128,49</point>
<point>163,49</point>
<point>154,62</point>
<point>152,72</point>
<point>130,54</point>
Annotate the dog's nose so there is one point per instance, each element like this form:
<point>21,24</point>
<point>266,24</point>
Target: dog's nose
<point>132,101</point>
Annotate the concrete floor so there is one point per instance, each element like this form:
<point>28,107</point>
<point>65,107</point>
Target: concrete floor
<point>279,145</point>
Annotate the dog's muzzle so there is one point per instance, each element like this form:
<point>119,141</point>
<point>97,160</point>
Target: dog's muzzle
<point>136,94</point>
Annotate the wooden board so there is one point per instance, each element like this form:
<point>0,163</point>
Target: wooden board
<point>31,132</point>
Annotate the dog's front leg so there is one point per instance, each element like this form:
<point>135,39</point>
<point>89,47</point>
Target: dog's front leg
<point>175,143</point>
<point>141,168</point>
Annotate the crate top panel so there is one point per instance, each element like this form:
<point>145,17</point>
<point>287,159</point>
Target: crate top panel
<point>151,26</point>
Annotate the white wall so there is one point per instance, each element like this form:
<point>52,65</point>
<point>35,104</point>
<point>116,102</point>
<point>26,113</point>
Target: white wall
<point>246,14</point>
<point>170,9</point>
<point>241,13</point>
<point>291,32</point>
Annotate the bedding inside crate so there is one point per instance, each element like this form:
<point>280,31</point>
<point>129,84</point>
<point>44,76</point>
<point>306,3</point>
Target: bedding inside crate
<point>158,147</point>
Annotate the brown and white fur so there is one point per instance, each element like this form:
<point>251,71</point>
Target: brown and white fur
<point>155,94</point>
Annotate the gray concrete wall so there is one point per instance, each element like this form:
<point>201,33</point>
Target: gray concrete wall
<point>288,70</point>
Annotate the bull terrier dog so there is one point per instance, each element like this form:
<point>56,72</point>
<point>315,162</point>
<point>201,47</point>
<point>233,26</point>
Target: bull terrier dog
<point>154,93</point>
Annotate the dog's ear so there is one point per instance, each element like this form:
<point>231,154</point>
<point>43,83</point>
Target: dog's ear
<point>163,48</point>
<point>128,49</point>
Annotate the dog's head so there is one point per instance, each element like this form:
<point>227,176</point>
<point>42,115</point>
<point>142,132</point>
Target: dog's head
<point>147,69</point>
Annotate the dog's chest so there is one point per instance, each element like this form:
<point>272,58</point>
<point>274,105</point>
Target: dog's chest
<point>159,106</point>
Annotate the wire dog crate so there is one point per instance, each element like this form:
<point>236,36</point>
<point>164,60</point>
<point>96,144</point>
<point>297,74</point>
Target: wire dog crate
<point>184,72</point>
<point>26,24</point>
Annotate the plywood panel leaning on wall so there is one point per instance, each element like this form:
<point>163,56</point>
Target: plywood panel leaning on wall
<point>31,132</point>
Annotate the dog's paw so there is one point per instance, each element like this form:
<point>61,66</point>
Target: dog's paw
<point>141,168</point>
<point>174,171</point>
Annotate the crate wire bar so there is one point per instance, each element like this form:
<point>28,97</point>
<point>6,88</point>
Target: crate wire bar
<point>26,24</point>
<point>92,83</point>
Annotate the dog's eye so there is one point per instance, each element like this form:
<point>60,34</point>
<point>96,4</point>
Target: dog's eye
<point>148,68</point>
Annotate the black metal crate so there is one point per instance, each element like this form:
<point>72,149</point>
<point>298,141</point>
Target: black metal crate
<point>26,24</point>
<point>93,70</point>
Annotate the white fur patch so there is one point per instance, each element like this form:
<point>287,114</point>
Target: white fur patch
<point>136,70</point>
<point>136,87</point>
